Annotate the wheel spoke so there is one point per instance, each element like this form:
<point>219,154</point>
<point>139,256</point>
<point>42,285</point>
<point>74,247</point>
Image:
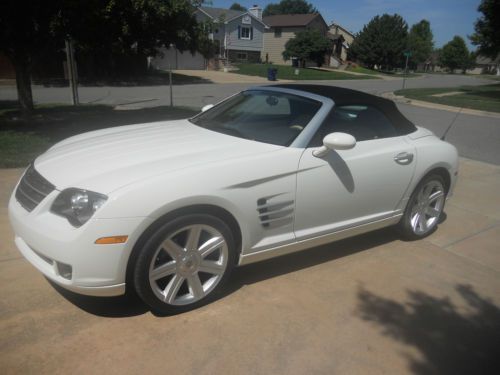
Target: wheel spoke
<point>174,250</point>
<point>422,223</point>
<point>415,219</point>
<point>162,271</point>
<point>195,286</point>
<point>210,246</point>
<point>172,288</point>
<point>426,192</point>
<point>435,196</point>
<point>211,267</point>
<point>193,238</point>
<point>432,212</point>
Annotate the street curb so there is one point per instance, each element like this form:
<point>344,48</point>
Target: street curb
<point>419,103</point>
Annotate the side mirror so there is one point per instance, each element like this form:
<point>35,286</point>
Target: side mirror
<point>335,141</point>
<point>207,107</point>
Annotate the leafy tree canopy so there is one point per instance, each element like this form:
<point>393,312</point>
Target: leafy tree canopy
<point>420,41</point>
<point>381,42</point>
<point>487,29</point>
<point>455,55</point>
<point>102,28</point>
<point>289,7</point>
<point>308,45</point>
<point>237,6</point>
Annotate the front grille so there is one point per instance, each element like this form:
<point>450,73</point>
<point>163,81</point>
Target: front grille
<point>32,189</point>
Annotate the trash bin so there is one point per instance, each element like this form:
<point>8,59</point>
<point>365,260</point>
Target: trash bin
<point>271,74</point>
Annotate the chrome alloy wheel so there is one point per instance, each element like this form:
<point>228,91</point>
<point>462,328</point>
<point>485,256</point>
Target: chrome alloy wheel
<point>427,207</point>
<point>188,264</point>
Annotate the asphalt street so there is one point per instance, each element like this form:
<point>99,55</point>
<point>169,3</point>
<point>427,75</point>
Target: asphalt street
<point>476,137</point>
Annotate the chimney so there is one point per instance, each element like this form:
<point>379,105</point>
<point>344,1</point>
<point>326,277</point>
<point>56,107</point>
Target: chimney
<point>256,11</point>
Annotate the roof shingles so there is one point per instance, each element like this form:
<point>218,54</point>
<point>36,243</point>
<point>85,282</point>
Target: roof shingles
<point>220,14</point>
<point>290,20</point>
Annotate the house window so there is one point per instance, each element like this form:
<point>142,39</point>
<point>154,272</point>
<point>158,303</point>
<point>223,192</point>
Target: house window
<point>241,56</point>
<point>277,32</point>
<point>245,32</point>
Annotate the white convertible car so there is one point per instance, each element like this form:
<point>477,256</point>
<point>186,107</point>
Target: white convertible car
<point>168,209</point>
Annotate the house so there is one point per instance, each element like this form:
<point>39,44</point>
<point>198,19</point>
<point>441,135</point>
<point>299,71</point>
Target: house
<point>282,28</point>
<point>342,40</point>
<point>486,65</point>
<point>238,35</point>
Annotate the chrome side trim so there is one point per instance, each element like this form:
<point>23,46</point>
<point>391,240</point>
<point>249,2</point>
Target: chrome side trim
<point>316,241</point>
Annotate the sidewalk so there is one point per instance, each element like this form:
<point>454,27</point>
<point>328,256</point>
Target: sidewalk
<point>420,103</point>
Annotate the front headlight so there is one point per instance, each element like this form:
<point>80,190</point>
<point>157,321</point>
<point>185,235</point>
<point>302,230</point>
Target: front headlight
<point>77,205</point>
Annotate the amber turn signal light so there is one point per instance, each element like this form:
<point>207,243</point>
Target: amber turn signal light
<point>111,240</point>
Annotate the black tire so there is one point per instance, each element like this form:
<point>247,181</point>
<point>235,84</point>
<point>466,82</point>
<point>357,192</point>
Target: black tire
<point>406,226</point>
<point>185,265</point>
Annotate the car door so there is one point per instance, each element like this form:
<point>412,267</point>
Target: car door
<point>346,188</point>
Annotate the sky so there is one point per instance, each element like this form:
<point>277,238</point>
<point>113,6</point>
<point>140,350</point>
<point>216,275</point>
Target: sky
<point>447,17</point>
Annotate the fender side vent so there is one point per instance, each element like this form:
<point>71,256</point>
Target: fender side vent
<point>275,213</point>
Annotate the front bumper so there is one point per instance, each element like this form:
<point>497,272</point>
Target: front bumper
<point>53,246</point>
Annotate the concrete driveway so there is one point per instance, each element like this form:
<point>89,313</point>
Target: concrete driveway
<point>367,305</point>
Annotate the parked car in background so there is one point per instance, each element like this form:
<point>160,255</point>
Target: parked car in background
<point>169,209</point>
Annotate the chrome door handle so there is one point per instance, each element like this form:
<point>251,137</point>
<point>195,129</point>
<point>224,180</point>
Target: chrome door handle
<point>403,158</point>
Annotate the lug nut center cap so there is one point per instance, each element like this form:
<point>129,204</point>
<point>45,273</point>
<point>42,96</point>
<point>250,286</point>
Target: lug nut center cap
<point>188,264</point>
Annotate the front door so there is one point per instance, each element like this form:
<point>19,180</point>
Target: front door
<point>352,187</point>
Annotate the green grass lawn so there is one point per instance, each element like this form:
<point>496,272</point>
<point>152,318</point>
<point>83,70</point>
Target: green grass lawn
<point>360,69</point>
<point>484,98</point>
<point>492,77</point>
<point>152,78</point>
<point>288,72</point>
<point>22,138</point>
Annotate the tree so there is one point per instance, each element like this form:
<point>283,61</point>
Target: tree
<point>24,35</point>
<point>381,42</point>
<point>308,45</point>
<point>420,42</point>
<point>455,55</point>
<point>289,7</point>
<point>487,29</point>
<point>107,29</point>
<point>237,6</point>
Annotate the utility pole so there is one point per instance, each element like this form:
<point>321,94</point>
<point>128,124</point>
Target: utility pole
<point>72,74</point>
<point>170,75</point>
<point>407,54</point>
<point>170,83</point>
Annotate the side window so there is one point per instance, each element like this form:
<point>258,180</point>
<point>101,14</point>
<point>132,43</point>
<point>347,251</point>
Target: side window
<point>363,122</point>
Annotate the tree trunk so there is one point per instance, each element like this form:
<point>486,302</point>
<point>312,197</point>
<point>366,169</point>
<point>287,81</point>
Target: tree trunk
<point>23,82</point>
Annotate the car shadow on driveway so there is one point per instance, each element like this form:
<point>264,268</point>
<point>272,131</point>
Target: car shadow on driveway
<point>274,267</point>
<point>110,307</point>
<point>131,305</point>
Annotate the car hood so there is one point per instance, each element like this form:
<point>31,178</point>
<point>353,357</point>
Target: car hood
<point>108,159</point>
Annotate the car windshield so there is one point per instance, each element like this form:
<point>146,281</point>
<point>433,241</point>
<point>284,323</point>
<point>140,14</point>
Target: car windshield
<point>264,116</point>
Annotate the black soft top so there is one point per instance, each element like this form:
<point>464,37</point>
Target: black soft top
<point>342,97</point>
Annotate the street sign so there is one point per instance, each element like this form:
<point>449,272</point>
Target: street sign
<point>407,53</point>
